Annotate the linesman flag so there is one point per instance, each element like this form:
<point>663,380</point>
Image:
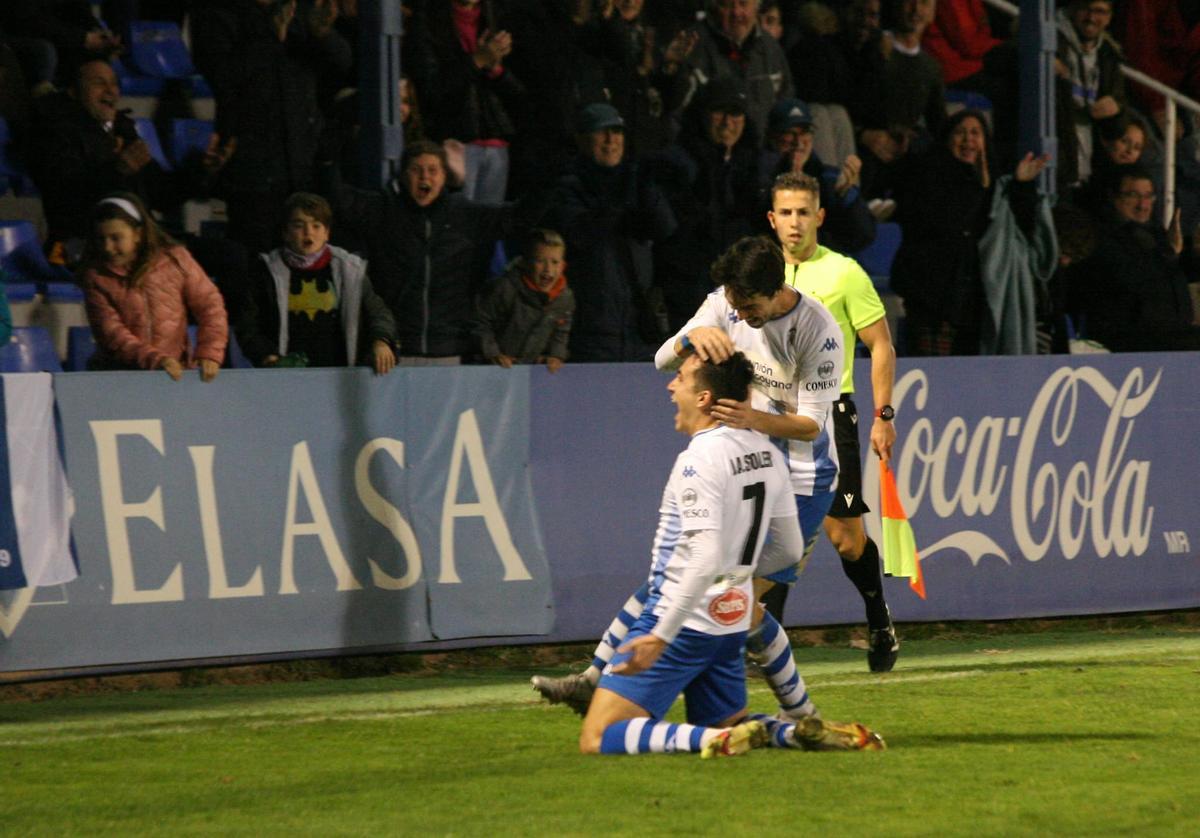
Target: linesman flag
<point>899,546</point>
<point>35,501</point>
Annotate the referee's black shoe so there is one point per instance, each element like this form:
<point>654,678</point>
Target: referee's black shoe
<point>884,649</point>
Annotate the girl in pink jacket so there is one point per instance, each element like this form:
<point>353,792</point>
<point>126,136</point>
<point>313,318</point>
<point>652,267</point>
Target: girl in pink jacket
<point>140,287</point>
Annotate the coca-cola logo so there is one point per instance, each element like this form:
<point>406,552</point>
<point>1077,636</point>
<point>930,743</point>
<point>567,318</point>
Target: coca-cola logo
<point>1063,476</point>
<point>730,607</point>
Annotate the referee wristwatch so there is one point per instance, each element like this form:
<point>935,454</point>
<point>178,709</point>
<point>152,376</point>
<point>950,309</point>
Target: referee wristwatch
<point>887,413</point>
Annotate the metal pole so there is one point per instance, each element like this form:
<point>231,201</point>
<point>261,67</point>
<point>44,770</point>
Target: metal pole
<point>1036,41</point>
<point>1168,196</point>
<point>381,136</point>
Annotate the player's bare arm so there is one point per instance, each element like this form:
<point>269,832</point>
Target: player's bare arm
<point>736,414</point>
<point>877,337</point>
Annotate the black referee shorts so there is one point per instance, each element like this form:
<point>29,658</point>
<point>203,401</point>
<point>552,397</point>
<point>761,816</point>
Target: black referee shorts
<point>847,500</point>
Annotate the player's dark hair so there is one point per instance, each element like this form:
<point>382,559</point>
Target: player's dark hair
<point>752,266</point>
<point>729,379</point>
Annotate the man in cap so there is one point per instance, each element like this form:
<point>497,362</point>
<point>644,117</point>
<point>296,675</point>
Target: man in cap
<point>849,225</point>
<point>609,212</point>
<point>714,195</point>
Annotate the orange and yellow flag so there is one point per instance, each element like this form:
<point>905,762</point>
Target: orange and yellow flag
<point>899,545</point>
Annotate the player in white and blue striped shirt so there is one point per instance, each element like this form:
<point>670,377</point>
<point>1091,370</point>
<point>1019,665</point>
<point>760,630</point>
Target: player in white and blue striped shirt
<point>794,344</point>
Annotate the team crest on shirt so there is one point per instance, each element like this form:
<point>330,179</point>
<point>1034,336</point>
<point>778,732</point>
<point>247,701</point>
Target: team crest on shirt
<point>825,370</point>
<point>730,607</point>
<point>689,497</point>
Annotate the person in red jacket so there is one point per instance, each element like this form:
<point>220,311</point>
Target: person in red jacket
<point>140,287</point>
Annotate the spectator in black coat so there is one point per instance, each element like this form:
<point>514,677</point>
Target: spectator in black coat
<point>715,197</point>
<point>263,62</point>
<point>1132,295</point>
<point>428,250</point>
<point>610,212</point>
<point>460,67</point>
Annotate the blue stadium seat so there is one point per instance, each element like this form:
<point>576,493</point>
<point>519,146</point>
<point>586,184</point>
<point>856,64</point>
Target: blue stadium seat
<point>957,100</point>
<point>189,137</point>
<point>21,253</point>
<point>29,350</point>
<point>149,135</point>
<point>20,292</point>
<point>234,358</point>
<point>12,174</point>
<point>134,84</point>
<point>498,262</point>
<point>876,258</point>
<point>81,346</point>
<point>63,292</point>
<point>157,49</point>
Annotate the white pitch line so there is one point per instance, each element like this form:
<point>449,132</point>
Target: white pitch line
<point>178,730</point>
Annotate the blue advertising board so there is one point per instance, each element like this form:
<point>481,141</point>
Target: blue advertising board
<point>288,512</point>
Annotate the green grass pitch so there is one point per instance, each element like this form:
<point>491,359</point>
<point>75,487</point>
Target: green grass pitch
<point>1054,733</point>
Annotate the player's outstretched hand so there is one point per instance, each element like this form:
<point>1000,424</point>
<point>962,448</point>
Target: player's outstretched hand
<point>733,414</point>
<point>644,651</point>
<point>711,343</point>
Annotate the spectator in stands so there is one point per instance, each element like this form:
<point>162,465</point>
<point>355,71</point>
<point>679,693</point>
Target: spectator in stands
<point>560,77</point>
<point>960,39</point>
<point>459,61</point>
<point>646,83</point>
<point>525,318</point>
<point>822,78</point>
<point>911,105</point>
<point>944,202</point>
<point>1090,60</point>
<point>1162,39</point>
<point>263,61</point>
<point>312,303</point>
<point>715,199</point>
<point>140,289</point>
<point>1132,295</point>
<point>87,147</point>
<point>1122,142</point>
<point>68,27</point>
<point>610,213</point>
<point>849,225</point>
<point>428,250</point>
<point>732,44</point>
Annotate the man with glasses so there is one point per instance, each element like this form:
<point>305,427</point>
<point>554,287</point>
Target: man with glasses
<point>1132,293</point>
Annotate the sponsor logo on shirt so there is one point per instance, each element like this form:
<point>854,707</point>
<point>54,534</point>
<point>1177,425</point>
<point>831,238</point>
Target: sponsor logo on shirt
<point>689,497</point>
<point>815,386</point>
<point>730,607</point>
<point>825,370</point>
<point>830,345</point>
<point>688,471</point>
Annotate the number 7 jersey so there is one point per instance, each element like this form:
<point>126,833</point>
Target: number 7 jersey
<point>728,480</point>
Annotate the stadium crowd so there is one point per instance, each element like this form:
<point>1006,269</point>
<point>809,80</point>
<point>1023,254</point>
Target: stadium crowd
<point>615,148</point>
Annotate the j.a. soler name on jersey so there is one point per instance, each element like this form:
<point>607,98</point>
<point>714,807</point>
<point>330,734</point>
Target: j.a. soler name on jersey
<point>749,462</point>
